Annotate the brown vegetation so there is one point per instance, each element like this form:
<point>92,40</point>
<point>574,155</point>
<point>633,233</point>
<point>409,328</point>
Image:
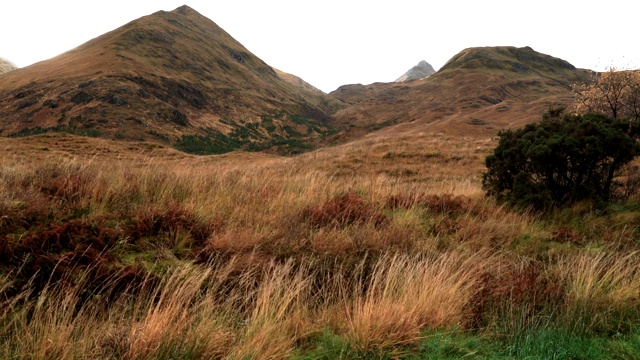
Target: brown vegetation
<point>477,93</point>
<point>256,256</point>
<point>614,93</point>
<point>343,210</point>
<point>156,79</point>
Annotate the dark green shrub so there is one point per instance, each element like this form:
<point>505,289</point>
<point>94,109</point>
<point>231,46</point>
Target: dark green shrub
<point>559,161</point>
<point>81,98</point>
<point>50,103</point>
<point>25,103</point>
<point>205,145</point>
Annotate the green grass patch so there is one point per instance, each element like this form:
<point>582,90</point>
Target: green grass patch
<point>542,344</point>
<point>456,345</point>
<point>551,343</point>
<point>326,345</point>
<point>204,145</point>
<point>255,136</point>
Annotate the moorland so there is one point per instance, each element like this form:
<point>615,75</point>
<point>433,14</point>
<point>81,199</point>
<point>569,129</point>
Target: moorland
<point>156,207</point>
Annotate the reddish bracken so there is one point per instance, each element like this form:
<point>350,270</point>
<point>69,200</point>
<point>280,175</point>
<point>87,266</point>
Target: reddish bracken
<point>566,235</point>
<point>444,226</point>
<point>172,218</point>
<point>523,286</point>
<point>344,210</point>
<point>49,254</point>
<point>69,187</point>
<point>446,204</point>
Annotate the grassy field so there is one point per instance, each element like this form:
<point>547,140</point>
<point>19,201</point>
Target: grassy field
<point>382,248</point>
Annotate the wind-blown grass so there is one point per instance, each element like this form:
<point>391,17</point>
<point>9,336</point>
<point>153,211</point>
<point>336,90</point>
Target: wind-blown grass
<point>329,253</point>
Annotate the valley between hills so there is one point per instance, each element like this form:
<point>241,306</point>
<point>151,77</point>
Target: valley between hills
<point>164,193</point>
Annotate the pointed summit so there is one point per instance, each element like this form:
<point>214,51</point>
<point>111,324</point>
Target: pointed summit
<point>185,10</point>
<point>163,77</point>
<point>6,66</point>
<point>420,71</point>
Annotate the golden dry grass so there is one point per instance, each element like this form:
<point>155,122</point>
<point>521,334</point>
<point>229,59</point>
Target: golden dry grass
<point>406,295</point>
<point>253,256</point>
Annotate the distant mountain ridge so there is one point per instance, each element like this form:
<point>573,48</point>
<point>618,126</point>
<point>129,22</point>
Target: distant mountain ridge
<point>478,92</point>
<point>420,71</point>
<point>174,77</point>
<point>6,66</point>
<point>519,60</point>
<point>179,79</point>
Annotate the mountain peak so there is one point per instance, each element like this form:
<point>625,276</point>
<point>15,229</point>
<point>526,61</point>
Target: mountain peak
<point>185,10</point>
<point>420,71</point>
<point>173,76</point>
<point>6,66</point>
<point>509,58</point>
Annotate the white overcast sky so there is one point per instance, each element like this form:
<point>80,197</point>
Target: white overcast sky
<point>335,42</point>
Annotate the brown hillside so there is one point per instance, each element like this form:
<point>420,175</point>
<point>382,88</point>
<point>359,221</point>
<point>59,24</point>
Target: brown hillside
<point>296,81</point>
<point>161,77</point>
<point>478,92</point>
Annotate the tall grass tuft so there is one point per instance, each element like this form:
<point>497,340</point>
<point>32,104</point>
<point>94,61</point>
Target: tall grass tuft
<point>279,315</point>
<point>365,249</point>
<point>601,292</point>
<point>406,295</point>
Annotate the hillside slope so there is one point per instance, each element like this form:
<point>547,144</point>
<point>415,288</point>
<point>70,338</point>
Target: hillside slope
<point>477,92</point>
<point>174,77</point>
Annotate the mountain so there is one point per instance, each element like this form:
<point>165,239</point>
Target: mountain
<point>6,66</point>
<point>420,71</point>
<point>478,92</point>
<point>297,82</point>
<point>174,77</point>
